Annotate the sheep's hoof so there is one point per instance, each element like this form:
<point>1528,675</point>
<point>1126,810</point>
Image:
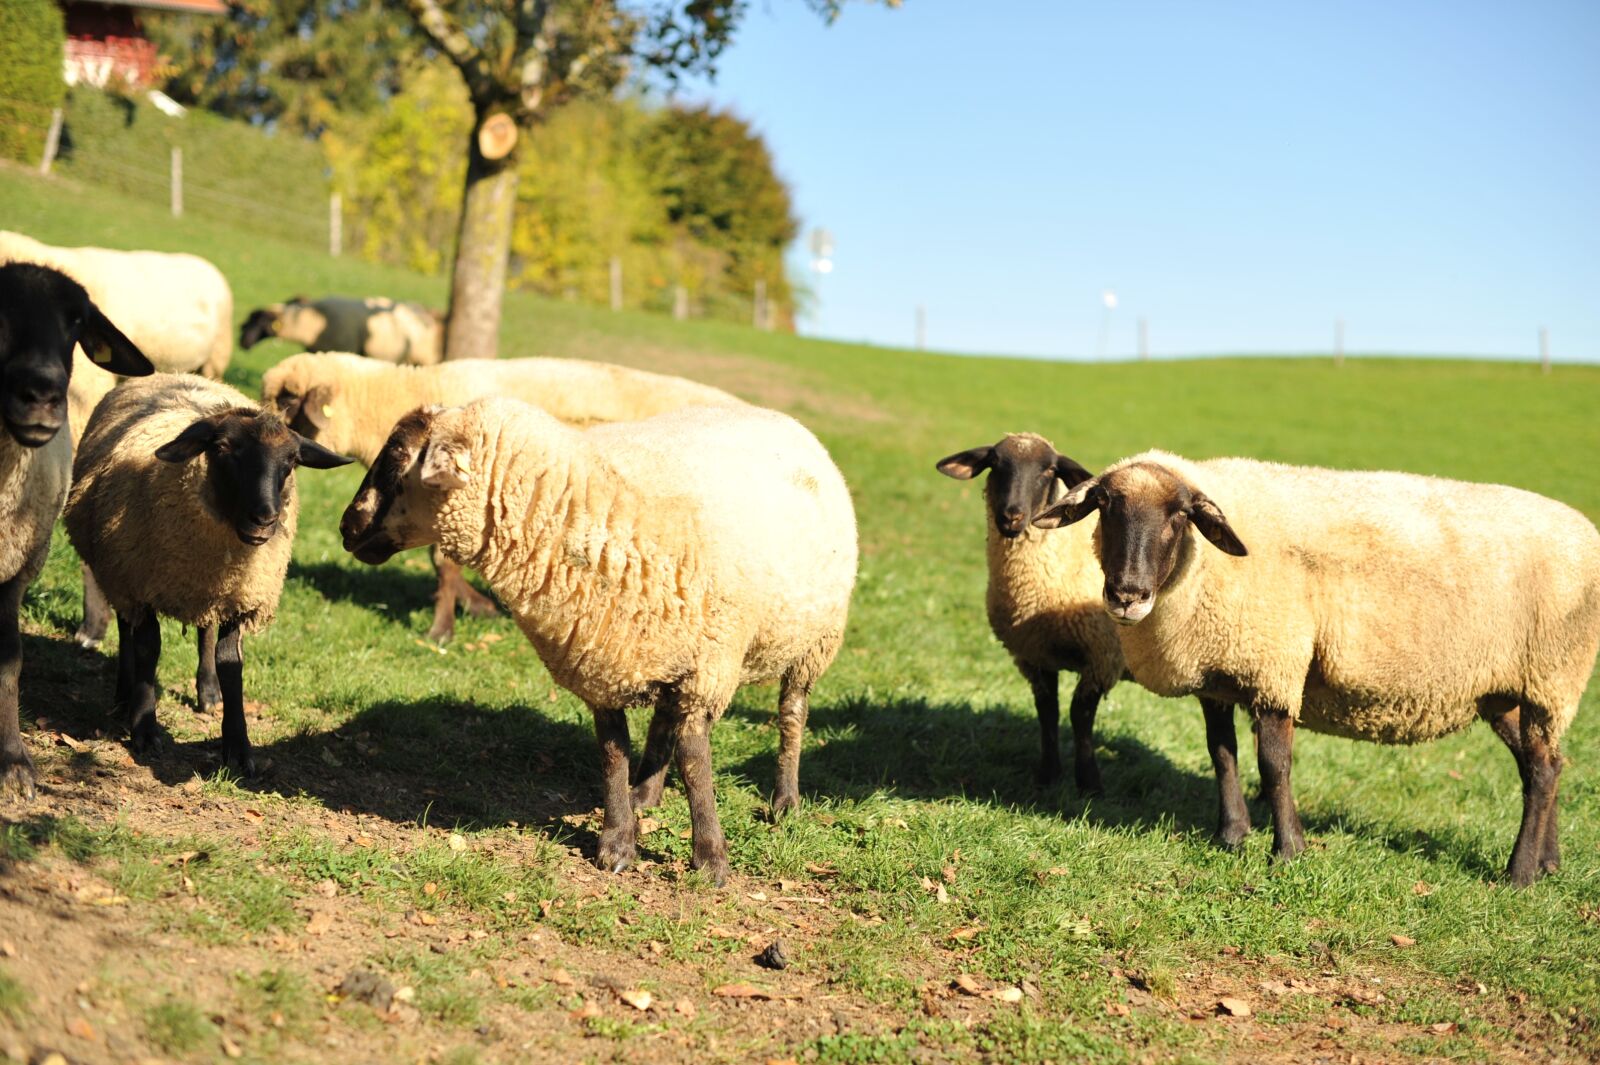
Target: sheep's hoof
<point>784,803</point>
<point>1285,851</point>
<point>616,854</point>
<point>1231,837</point>
<point>1048,774</point>
<point>208,702</point>
<point>16,775</point>
<point>241,763</point>
<point>145,735</point>
<point>482,607</point>
<point>443,632</point>
<point>1087,778</point>
<point>86,640</point>
<point>713,867</point>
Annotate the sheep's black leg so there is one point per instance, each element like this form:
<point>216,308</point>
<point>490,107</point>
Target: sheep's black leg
<point>230,675</point>
<point>124,667</point>
<point>794,706</point>
<point>1085,704</point>
<point>1275,755</point>
<point>617,846</point>
<point>207,689</point>
<point>144,645</point>
<point>16,767</point>
<point>1508,727</point>
<point>651,774</point>
<point>1538,841</point>
<point>1047,704</point>
<point>96,612</point>
<point>1233,816</point>
<point>694,765</point>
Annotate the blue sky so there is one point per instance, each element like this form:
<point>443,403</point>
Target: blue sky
<point>1242,174</point>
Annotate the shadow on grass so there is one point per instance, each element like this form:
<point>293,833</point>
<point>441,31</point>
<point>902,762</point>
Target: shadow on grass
<point>395,592</point>
<point>442,762</point>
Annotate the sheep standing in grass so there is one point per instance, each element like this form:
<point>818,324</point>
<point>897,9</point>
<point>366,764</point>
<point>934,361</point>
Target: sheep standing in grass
<point>350,404</point>
<point>1044,593</point>
<point>389,330</point>
<point>183,502</point>
<point>44,315</point>
<point>663,562</point>
<point>1379,606</point>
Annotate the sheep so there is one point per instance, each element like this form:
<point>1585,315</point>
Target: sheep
<point>350,404</point>
<point>662,562</point>
<point>206,542</point>
<point>379,328</point>
<point>1044,593</point>
<point>1387,607</point>
<point>44,315</point>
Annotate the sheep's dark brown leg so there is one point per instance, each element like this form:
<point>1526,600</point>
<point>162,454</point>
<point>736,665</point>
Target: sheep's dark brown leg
<point>144,646</point>
<point>229,652</point>
<point>651,774</point>
<point>617,846</point>
<point>794,706</point>
<point>124,667</point>
<point>1047,705</point>
<point>473,601</point>
<point>1275,756</point>
<point>1233,816</point>
<point>694,765</point>
<point>1085,704</point>
<point>16,767</point>
<point>207,689</point>
<point>1508,727</point>
<point>96,612</point>
<point>1541,765</point>
<point>443,629</point>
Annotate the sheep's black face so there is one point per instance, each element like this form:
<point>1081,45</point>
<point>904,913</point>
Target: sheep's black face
<point>250,456</point>
<point>261,324</point>
<point>1145,513</point>
<point>375,525</point>
<point>43,314</point>
<point>1023,470</point>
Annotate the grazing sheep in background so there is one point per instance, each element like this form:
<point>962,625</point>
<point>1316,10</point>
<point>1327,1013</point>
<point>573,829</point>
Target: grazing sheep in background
<point>183,502</point>
<point>1044,593</point>
<point>44,315</point>
<point>379,328</point>
<point>662,562</point>
<point>350,404</point>
<point>1378,606</point>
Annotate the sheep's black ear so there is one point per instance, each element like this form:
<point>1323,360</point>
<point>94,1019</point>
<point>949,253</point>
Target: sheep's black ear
<point>1207,517</point>
<point>109,349</point>
<point>189,443</point>
<point>965,465</point>
<point>1084,499</point>
<point>1070,472</point>
<point>317,457</point>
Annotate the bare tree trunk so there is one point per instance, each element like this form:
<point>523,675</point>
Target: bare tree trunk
<point>478,277</point>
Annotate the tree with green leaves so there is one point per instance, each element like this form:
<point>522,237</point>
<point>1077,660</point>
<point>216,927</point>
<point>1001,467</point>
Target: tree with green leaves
<point>32,43</point>
<point>520,59</point>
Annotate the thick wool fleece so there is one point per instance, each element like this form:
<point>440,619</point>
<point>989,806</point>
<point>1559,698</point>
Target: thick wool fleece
<point>1045,599</point>
<point>1378,606</point>
<point>705,547</point>
<point>149,529</point>
<point>33,484</point>
<point>368,397</point>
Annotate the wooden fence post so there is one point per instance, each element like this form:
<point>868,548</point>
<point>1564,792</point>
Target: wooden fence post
<point>616,283</point>
<point>335,225</point>
<point>680,303</point>
<point>52,141</point>
<point>177,181</point>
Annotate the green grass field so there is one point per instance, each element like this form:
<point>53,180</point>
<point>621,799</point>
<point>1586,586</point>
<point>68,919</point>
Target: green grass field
<point>1118,919</point>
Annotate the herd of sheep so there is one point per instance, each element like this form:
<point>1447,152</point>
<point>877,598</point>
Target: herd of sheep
<point>660,543</point>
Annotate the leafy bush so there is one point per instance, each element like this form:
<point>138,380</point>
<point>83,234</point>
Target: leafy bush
<point>32,57</point>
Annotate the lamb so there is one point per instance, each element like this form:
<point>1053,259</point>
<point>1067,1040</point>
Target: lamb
<point>203,540</point>
<point>44,316</point>
<point>1386,607</point>
<point>350,404</point>
<point>662,562</point>
<point>1044,597</point>
<point>379,328</point>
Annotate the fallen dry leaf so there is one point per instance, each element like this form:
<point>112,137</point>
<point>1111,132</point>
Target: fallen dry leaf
<point>561,977</point>
<point>821,870</point>
<point>327,888</point>
<point>585,1012</point>
<point>941,894</point>
<point>1276,988</point>
<point>254,815</point>
<point>430,888</point>
<point>1402,941</point>
<point>1012,995</point>
<point>1421,887</point>
<point>639,1000</point>
<point>231,1049</point>
<point>1444,1027</point>
<point>1118,1009</point>
<point>80,1027</point>
<point>967,932</point>
<point>1234,1007</point>
<point>968,984</point>
<point>319,924</point>
<point>684,1008</point>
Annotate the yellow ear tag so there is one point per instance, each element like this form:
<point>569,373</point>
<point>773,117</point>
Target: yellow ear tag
<point>327,410</point>
<point>462,462</point>
<point>101,354</point>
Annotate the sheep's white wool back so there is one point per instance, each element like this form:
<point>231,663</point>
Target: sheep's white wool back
<point>147,527</point>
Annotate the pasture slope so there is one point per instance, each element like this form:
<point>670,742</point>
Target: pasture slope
<point>427,815</point>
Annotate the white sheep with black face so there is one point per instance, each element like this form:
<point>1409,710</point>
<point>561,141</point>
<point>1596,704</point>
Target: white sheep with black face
<point>44,316</point>
<point>1044,593</point>
<point>184,504</point>
<point>662,562</point>
<point>1386,607</point>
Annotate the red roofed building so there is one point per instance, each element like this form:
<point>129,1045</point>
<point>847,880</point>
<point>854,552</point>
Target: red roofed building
<point>106,46</point>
